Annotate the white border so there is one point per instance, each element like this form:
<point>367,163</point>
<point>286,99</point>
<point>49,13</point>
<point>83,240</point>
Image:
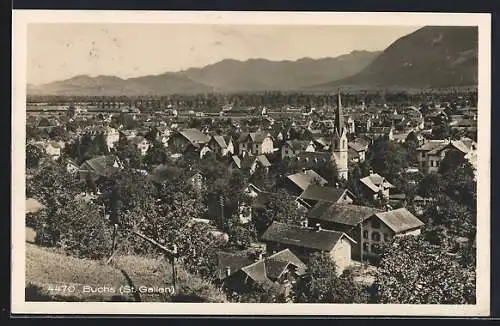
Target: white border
<point>20,19</point>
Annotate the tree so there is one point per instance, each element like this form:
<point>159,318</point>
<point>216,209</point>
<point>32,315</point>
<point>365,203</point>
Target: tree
<point>387,158</point>
<point>452,160</point>
<point>414,272</point>
<point>152,135</point>
<point>260,292</point>
<point>411,144</point>
<point>321,284</point>
<point>33,156</point>
<point>78,228</point>
<point>52,185</point>
<point>279,207</point>
<point>58,133</point>
<point>455,217</point>
<point>128,153</point>
<point>156,154</point>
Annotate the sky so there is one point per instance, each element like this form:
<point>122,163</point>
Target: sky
<point>59,51</point>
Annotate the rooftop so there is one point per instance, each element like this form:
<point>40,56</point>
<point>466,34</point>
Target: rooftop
<point>399,220</point>
<point>341,213</point>
<point>297,236</point>
<point>306,178</point>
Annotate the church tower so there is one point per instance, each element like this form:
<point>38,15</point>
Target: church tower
<point>339,141</point>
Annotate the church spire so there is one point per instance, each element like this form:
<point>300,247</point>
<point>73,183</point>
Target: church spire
<point>339,118</point>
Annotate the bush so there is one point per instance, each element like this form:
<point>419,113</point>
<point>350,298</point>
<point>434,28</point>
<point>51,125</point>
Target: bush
<point>78,228</point>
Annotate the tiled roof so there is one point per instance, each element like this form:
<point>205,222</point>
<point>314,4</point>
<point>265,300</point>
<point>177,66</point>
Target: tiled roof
<point>322,193</point>
<point>235,261</point>
<point>306,178</point>
<point>358,147</point>
<point>256,137</point>
<point>432,144</point>
<point>195,136</point>
<point>297,145</point>
<point>101,165</point>
<point>302,237</point>
<point>220,141</point>
<point>264,270</point>
<point>346,214</point>
<point>399,220</point>
<point>374,181</point>
<point>262,159</point>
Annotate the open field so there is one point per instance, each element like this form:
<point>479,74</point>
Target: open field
<point>51,276</point>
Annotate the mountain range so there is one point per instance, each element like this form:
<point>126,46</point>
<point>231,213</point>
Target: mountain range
<point>433,56</point>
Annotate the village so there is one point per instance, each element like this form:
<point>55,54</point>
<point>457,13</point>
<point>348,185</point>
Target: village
<point>264,201</point>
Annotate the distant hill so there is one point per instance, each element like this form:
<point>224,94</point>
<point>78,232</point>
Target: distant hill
<point>224,76</point>
<point>167,83</point>
<point>261,75</point>
<point>431,57</point>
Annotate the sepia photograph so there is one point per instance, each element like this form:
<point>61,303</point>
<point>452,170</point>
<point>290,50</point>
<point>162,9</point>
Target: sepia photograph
<point>298,163</point>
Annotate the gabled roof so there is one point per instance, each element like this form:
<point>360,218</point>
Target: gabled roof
<point>264,270</point>
<point>101,165</point>
<point>432,144</point>
<point>194,136</point>
<point>374,181</point>
<point>220,141</point>
<point>458,144</point>
<point>319,156</point>
<point>323,141</point>
<point>297,145</point>
<point>351,153</point>
<point>306,178</point>
<point>346,214</point>
<point>357,146</point>
<point>297,236</point>
<point>235,261</point>
<point>255,137</point>
<point>322,193</point>
<point>243,163</point>
<point>262,159</point>
<point>399,220</point>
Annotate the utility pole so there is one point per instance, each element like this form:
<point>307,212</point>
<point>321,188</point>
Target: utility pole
<point>221,202</point>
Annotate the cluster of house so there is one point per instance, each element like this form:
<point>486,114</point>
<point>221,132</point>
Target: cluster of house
<point>332,223</point>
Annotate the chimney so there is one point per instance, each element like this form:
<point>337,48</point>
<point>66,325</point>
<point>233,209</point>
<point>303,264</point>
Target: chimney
<point>304,170</point>
<point>371,172</point>
<point>228,270</point>
<point>336,185</point>
<point>261,255</point>
<point>318,227</point>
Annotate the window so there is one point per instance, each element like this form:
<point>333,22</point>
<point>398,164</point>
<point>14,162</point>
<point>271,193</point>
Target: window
<point>423,154</point>
<point>365,234</point>
<point>432,163</point>
<point>365,246</point>
<point>375,236</point>
<point>375,224</point>
<point>437,163</point>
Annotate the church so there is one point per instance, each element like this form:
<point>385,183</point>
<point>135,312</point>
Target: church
<point>339,142</point>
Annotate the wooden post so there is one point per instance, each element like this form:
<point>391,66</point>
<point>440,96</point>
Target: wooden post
<point>115,234</point>
<point>361,244</point>
<point>171,254</point>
